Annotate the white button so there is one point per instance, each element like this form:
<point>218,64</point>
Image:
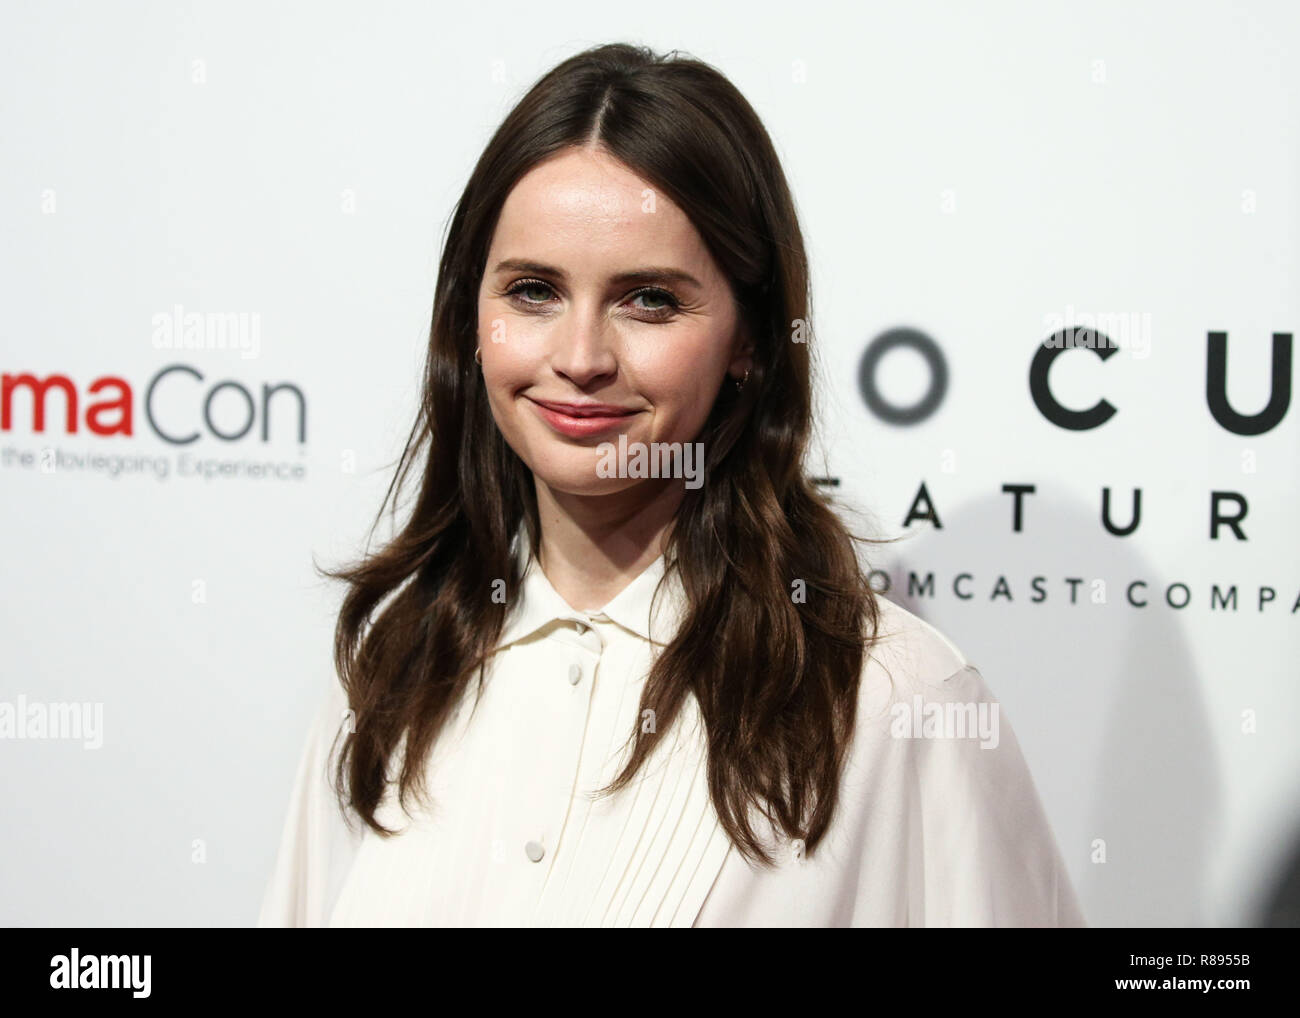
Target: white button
<point>535,851</point>
<point>575,674</point>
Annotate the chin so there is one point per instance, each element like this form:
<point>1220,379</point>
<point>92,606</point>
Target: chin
<point>572,482</point>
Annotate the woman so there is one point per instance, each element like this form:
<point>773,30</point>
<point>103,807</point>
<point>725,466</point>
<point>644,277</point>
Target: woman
<point>622,665</point>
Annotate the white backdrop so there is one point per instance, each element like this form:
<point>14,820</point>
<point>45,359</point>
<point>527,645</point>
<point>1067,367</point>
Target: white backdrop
<point>981,174</point>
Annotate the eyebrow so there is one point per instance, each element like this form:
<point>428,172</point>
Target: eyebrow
<point>650,274</point>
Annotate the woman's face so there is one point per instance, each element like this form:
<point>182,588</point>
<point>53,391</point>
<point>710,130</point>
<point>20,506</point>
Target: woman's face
<point>600,314</point>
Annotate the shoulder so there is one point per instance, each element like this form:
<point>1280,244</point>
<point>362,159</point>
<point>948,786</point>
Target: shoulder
<point>917,690</point>
<point>316,840</point>
<point>330,721</point>
<point>933,749</point>
<point>908,655</point>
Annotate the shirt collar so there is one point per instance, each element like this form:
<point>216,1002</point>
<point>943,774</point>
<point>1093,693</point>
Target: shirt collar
<point>634,608</point>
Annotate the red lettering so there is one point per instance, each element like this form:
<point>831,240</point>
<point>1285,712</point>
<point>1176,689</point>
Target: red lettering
<point>9,383</point>
<point>122,405</point>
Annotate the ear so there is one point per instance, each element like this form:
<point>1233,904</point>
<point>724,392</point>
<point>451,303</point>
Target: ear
<point>742,359</point>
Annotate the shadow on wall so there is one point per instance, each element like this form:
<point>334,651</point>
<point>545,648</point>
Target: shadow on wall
<point>1104,698</point>
<point>1281,906</point>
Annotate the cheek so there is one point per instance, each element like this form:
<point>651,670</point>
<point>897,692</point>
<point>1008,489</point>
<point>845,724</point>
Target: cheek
<point>502,382</point>
<point>491,325</point>
<point>682,405</point>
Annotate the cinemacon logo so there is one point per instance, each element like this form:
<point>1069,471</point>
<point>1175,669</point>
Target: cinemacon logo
<point>108,406</point>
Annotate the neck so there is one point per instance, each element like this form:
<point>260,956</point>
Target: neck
<point>593,546</point>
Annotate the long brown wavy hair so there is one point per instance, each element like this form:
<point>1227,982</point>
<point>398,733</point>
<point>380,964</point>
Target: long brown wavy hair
<point>776,679</point>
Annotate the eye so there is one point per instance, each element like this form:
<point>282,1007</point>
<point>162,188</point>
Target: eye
<point>525,285</point>
<point>665,302</point>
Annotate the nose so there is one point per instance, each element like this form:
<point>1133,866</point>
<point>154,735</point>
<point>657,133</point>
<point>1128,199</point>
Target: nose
<point>583,349</point>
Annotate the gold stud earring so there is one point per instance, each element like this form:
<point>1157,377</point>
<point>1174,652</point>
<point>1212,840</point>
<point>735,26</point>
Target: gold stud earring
<point>478,355</point>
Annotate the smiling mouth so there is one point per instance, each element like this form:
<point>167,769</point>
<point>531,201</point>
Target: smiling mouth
<point>582,410</point>
<point>582,420</point>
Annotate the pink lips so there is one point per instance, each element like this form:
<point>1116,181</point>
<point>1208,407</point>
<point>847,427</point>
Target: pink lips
<point>579,420</point>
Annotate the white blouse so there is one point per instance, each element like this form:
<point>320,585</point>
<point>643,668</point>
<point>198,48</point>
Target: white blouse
<point>932,828</point>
